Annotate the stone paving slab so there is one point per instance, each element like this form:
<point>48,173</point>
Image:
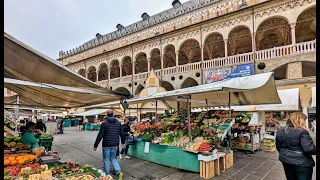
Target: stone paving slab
<point>76,146</point>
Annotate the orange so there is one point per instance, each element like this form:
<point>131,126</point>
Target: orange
<point>21,161</point>
<point>31,157</point>
<point>19,158</point>
<point>13,162</point>
<point>11,158</point>
<point>6,161</point>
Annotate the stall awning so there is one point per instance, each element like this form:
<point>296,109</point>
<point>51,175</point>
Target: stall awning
<point>93,112</point>
<point>250,90</point>
<point>50,95</point>
<point>290,101</point>
<point>24,63</point>
<point>314,99</point>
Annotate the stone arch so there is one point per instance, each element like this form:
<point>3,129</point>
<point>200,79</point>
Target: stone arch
<point>189,52</point>
<point>169,56</point>
<point>273,32</point>
<point>189,82</point>
<point>126,66</point>
<point>213,46</point>
<point>92,74</point>
<point>82,72</point>
<point>308,69</point>
<point>306,25</point>
<point>155,60</point>
<point>114,69</point>
<point>141,63</point>
<point>239,40</point>
<point>168,86</point>
<point>138,89</point>
<point>103,72</point>
<point>123,90</point>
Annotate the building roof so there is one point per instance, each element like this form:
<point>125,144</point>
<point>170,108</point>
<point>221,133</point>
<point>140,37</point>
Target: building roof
<point>178,9</point>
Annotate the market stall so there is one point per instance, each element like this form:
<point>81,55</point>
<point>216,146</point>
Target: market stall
<point>200,136</point>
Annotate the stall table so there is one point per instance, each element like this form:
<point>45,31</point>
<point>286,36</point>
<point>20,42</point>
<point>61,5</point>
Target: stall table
<point>166,155</point>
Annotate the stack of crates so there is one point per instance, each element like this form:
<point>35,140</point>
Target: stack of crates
<point>46,143</point>
<point>269,143</point>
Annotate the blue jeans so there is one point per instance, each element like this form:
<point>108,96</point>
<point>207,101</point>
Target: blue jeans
<point>85,126</point>
<point>91,126</point>
<point>109,154</point>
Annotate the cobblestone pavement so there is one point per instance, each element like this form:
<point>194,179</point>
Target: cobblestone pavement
<point>76,146</point>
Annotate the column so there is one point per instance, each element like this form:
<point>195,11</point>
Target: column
<point>253,35</point>
<point>120,66</point>
<point>305,111</point>
<point>177,58</point>
<point>162,61</point>
<point>226,48</point>
<point>149,59</point>
<point>133,67</point>
<point>293,33</point>
<point>97,76</point>
<point>109,69</point>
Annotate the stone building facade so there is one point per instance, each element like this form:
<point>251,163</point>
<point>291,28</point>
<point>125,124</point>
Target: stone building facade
<point>180,43</point>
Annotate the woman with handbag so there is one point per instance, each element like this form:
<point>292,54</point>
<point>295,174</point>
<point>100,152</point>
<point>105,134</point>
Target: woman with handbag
<point>129,137</point>
<point>296,148</point>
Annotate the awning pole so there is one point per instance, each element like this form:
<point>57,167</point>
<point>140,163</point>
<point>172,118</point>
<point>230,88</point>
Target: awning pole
<point>189,123</point>
<point>17,114</point>
<point>230,115</point>
<point>156,112</point>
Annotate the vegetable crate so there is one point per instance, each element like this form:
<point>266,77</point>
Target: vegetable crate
<point>207,169</point>
<point>229,160</point>
<point>46,143</point>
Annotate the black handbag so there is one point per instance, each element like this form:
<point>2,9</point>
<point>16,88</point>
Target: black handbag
<point>130,140</point>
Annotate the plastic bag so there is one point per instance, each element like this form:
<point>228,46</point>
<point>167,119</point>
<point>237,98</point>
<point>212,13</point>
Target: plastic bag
<point>39,151</point>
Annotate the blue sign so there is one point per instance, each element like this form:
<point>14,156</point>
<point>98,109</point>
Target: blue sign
<point>218,74</point>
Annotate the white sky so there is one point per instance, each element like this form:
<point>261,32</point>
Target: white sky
<point>54,25</point>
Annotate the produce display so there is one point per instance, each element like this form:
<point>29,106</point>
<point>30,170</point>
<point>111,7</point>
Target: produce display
<point>9,123</point>
<point>206,128</point>
<point>45,137</point>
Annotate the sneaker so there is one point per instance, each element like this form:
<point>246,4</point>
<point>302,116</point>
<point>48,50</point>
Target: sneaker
<point>127,157</point>
<point>120,155</point>
<point>120,175</point>
<point>114,172</point>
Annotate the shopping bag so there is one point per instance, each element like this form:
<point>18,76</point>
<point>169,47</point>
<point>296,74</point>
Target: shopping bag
<point>130,140</point>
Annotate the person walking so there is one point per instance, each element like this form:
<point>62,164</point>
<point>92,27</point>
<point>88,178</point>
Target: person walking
<point>91,121</point>
<point>296,148</point>
<point>111,132</point>
<point>80,124</point>
<point>86,123</point>
<point>61,122</point>
<point>127,133</point>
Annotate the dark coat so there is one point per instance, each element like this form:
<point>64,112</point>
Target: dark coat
<point>295,146</point>
<point>126,129</point>
<point>110,131</point>
<point>41,126</point>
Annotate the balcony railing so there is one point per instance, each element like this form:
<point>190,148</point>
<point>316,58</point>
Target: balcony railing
<point>298,48</point>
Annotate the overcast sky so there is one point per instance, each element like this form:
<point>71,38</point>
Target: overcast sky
<point>54,25</point>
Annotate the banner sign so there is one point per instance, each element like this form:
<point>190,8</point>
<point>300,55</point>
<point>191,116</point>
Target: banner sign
<point>218,74</point>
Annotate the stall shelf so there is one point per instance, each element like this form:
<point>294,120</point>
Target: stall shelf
<point>253,146</point>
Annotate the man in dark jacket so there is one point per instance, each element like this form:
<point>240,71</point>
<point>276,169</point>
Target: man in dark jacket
<point>127,133</point>
<point>110,131</point>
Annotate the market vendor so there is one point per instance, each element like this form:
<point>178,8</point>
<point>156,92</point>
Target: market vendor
<point>28,135</point>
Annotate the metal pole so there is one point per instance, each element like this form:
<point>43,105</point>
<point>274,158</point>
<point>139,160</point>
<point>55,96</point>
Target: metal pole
<point>156,112</point>
<point>230,115</point>
<point>17,114</point>
<point>189,123</point>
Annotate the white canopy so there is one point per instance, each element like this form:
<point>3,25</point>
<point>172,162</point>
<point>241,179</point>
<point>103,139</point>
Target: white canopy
<point>251,90</point>
<point>43,82</point>
<point>290,101</point>
<point>93,112</point>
